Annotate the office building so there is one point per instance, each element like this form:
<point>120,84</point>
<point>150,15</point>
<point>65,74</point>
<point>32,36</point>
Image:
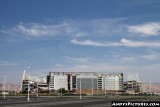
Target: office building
<point>85,80</point>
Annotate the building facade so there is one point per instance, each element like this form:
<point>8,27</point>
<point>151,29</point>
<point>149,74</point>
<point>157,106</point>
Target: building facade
<point>133,87</point>
<point>73,81</point>
<point>110,81</point>
<point>85,80</point>
<point>33,82</point>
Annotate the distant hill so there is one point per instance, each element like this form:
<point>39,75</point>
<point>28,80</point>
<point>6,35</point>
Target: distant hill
<point>10,87</point>
<point>154,87</point>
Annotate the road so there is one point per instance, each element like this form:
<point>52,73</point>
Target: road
<point>52,101</point>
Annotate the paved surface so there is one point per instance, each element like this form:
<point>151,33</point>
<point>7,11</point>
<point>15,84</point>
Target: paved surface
<point>51,101</point>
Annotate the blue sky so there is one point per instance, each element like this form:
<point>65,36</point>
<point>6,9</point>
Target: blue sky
<point>80,36</point>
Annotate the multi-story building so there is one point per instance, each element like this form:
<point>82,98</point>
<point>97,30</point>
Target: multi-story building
<point>57,80</point>
<point>75,81</point>
<point>114,81</point>
<point>110,81</point>
<point>133,87</point>
<point>88,80</point>
<point>85,80</point>
<point>33,82</point>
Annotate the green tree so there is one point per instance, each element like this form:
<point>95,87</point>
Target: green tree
<point>61,90</point>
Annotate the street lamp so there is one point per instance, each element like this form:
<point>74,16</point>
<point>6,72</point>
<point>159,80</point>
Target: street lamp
<point>28,88</point>
<point>28,99</point>
<point>37,89</point>
<point>80,89</point>
<point>4,87</point>
<point>92,86</point>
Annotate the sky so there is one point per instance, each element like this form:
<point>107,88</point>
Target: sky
<point>111,36</point>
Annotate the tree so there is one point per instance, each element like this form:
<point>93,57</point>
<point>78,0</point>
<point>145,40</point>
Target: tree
<point>61,90</point>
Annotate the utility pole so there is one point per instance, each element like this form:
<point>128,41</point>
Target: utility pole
<point>80,89</point>
<point>4,88</point>
<point>37,89</point>
<point>28,99</point>
<point>105,85</point>
<point>28,88</point>
<point>92,86</point>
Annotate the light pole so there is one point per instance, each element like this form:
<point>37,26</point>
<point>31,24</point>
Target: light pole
<point>28,99</point>
<point>132,87</point>
<point>92,86</point>
<point>37,89</point>
<point>105,85</point>
<point>28,88</point>
<point>80,89</point>
<point>4,87</point>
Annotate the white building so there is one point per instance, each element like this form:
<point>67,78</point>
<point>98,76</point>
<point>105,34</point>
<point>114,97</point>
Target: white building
<point>110,81</point>
<point>33,82</point>
<point>88,80</point>
<point>114,82</point>
<point>60,81</point>
<point>57,80</point>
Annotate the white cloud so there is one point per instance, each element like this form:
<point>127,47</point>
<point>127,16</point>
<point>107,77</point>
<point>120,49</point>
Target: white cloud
<point>75,60</point>
<point>130,43</point>
<point>151,57</point>
<point>38,29</point>
<point>58,65</point>
<point>94,43</point>
<point>147,29</point>
<point>7,63</point>
<point>76,28</point>
<point>87,42</point>
<point>128,59</point>
<point>123,42</point>
<point>82,28</point>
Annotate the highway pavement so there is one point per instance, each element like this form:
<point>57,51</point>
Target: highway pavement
<point>72,101</point>
<point>53,102</point>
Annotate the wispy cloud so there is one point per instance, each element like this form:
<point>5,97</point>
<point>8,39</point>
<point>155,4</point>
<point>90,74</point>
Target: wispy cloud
<point>39,30</point>
<point>147,29</point>
<point>83,28</point>
<point>94,43</point>
<point>150,57</point>
<point>130,43</point>
<point>76,28</point>
<point>123,42</point>
<point>79,60</point>
<point>7,63</point>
